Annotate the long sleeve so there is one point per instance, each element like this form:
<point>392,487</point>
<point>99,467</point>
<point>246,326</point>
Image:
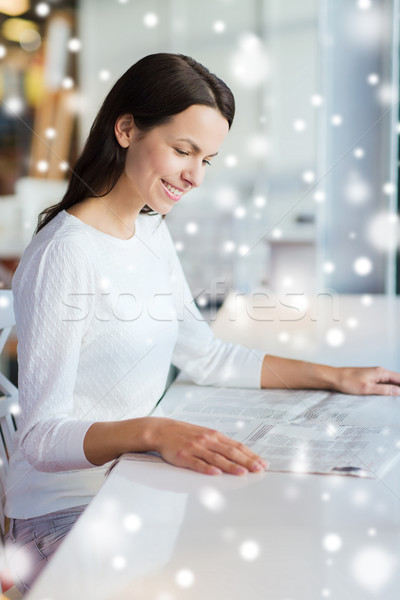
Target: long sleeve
<point>53,303</point>
<point>198,353</point>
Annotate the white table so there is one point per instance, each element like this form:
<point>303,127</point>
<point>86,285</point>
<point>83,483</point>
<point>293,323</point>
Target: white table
<point>267,536</point>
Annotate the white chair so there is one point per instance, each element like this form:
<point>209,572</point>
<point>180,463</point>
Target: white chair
<point>8,397</point>
<point>8,411</point>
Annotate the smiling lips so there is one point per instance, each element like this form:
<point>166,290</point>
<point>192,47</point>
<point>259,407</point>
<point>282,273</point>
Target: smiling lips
<point>171,191</point>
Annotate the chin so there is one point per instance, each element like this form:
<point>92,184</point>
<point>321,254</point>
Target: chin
<point>161,210</point>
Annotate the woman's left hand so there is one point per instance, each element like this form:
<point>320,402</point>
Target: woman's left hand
<point>368,380</point>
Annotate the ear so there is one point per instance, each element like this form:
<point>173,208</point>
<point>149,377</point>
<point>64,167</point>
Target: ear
<point>124,130</point>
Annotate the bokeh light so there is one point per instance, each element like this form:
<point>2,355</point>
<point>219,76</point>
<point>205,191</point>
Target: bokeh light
<point>364,4</point>
<point>362,266</point>
<point>67,83</point>
<point>373,568</point>
<point>132,522</point>
<point>319,196</point>
<point>219,26</point>
<point>389,188</point>
<point>4,302</point>
<point>42,166</point>
<point>373,79</point>
<point>356,190</point>
<point>226,197</point>
<point>335,337</point>
<point>308,176</point>
<point>119,562</point>
<point>231,161</point>
<point>240,212</point>
<point>366,300</point>
<point>250,64</point>
<point>276,233</point>
<point>243,249</point>
<point>15,409</point>
<point>260,201</point>
<point>316,100</point>
<point>366,28</point>
<point>191,228</point>
<point>336,120</point>
<point>104,75</point>
<point>332,542</point>
<point>257,145</point>
<point>42,9</point>
<point>74,45</point>
<point>299,125</point>
<point>150,20</point>
<point>212,499</point>
<point>329,267</point>
<point>229,246</point>
<point>383,231</point>
<point>352,322</point>
<point>185,578</point>
<point>50,133</point>
<point>249,550</point>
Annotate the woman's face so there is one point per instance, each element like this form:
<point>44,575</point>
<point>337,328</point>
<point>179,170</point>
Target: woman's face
<point>171,159</point>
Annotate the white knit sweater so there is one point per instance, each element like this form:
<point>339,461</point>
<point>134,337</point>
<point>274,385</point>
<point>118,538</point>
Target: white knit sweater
<point>99,321</point>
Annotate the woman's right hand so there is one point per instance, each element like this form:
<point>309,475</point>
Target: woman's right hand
<point>202,449</point>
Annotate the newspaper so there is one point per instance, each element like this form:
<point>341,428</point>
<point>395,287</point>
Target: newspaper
<point>295,431</point>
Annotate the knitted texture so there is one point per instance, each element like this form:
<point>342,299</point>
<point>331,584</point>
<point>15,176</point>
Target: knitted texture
<point>99,321</point>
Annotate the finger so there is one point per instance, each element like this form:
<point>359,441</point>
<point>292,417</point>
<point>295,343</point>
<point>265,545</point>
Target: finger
<point>240,466</point>
<point>188,461</point>
<point>381,375</point>
<point>385,389</point>
<point>237,454</point>
<point>201,466</point>
<point>393,377</point>
<point>232,447</point>
<point>245,457</point>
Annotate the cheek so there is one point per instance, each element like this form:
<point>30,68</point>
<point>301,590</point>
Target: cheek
<point>162,162</point>
<point>148,163</point>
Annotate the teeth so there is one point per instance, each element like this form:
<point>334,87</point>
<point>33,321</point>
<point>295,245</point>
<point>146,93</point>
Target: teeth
<point>172,189</point>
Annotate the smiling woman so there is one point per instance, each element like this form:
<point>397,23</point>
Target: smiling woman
<point>169,160</point>
<point>90,375</point>
<point>92,367</point>
<point>161,105</point>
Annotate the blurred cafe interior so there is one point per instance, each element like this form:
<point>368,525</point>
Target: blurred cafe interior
<point>303,197</point>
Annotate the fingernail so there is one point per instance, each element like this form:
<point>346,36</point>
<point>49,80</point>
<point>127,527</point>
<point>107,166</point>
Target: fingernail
<point>240,470</point>
<point>257,467</point>
<point>216,471</point>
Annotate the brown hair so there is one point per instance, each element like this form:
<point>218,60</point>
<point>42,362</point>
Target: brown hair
<point>153,90</point>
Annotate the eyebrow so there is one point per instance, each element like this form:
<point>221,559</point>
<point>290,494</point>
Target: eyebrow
<point>194,146</point>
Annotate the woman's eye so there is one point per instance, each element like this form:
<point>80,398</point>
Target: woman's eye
<point>186,153</point>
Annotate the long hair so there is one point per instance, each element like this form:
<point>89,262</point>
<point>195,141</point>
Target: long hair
<point>153,90</point>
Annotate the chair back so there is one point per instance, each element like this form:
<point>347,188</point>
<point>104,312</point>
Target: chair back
<point>8,398</point>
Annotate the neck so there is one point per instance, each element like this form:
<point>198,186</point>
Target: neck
<point>122,206</point>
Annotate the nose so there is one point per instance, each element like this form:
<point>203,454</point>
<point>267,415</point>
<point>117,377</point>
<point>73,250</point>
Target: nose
<point>194,174</point>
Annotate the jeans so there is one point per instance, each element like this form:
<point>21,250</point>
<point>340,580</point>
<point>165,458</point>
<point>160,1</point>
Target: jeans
<point>30,543</point>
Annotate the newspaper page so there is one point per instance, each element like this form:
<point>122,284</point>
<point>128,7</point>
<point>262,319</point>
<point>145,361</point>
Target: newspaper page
<point>299,431</point>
